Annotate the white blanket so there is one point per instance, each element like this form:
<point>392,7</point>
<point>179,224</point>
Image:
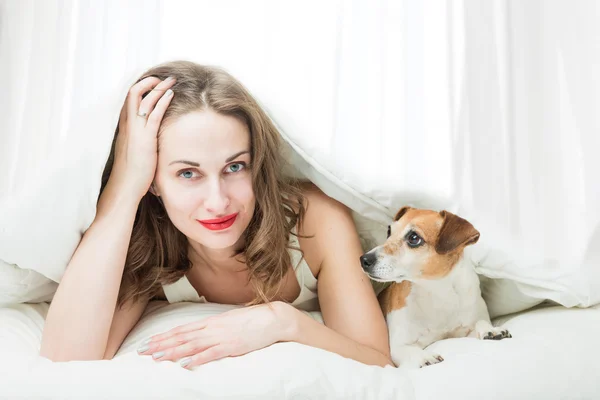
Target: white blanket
<point>553,355</point>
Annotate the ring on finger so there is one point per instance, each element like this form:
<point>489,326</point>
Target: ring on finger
<point>142,114</point>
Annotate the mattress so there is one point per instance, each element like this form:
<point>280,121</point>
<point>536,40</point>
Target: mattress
<point>553,355</point>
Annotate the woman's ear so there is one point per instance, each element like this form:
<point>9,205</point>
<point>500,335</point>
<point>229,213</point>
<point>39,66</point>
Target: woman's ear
<point>153,190</point>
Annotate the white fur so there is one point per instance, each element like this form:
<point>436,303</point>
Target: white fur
<point>438,309</point>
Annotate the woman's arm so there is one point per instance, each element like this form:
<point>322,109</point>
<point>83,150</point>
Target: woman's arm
<point>81,313</point>
<point>124,320</point>
<point>303,329</point>
<point>82,323</point>
<point>354,323</point>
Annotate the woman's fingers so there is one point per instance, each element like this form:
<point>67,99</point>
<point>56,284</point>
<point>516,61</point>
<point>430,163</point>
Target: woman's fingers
<point>171,342</point>
<point>193,344</point>
<point>176,336</point>
<point>134,97</point>
<point>211,354</point>
<point>190,348</point>
<point>156,116</point>
<point>157,93</point>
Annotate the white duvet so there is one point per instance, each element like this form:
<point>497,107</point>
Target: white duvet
<point>553,355</point>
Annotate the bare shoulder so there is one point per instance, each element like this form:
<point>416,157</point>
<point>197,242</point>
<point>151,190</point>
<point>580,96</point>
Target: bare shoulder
<point>319,205</point>
<point>324,217</point>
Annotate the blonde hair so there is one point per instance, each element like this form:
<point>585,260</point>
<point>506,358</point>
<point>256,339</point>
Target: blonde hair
<point>158,251</point>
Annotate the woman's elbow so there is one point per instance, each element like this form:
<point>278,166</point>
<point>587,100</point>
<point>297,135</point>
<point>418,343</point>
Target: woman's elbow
<point>384,357</point>
<point>385,362</point>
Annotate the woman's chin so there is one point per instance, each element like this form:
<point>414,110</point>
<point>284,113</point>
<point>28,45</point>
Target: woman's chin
<point>218,240</point>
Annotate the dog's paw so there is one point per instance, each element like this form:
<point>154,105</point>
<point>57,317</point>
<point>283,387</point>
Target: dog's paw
<point>497,334</point>
<point>485,331</point>
<point>429,358</point>
<point>414,357</point>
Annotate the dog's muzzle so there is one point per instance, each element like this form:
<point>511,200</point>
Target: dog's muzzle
<point>368,260</point>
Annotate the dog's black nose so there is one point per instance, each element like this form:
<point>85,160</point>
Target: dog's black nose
<point>367,260</point>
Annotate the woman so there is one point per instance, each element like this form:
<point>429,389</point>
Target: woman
<point>194,203</point>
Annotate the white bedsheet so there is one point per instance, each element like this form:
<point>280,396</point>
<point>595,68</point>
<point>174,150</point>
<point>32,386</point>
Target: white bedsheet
<point>554,354</point>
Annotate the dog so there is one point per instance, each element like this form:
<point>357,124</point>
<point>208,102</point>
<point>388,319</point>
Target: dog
<point>435,292</point>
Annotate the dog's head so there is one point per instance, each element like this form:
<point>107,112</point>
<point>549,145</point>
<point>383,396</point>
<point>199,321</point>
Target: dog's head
<point>421,244</point>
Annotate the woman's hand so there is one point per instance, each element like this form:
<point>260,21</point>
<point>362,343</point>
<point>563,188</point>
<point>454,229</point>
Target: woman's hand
<point>136,146</point>
<point>232,333</point>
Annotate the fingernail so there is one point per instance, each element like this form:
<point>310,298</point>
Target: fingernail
<point>185,361</point>
<point>146,341</point>
<point>158,354</point>
<point>169,93</point>
<point>143,349</point>
<point>170,79</point>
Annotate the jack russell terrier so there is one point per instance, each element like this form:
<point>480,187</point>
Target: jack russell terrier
<point>435,292</point>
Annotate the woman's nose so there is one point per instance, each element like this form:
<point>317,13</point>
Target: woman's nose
<point>217,199</point>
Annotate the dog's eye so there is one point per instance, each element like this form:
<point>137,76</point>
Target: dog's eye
<point>413,239</point>
<point>389,231</point>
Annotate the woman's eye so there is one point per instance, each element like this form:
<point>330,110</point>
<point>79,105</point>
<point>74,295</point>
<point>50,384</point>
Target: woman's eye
<point>187,174</point>
<point>413,239</point>
<point>236,167</point>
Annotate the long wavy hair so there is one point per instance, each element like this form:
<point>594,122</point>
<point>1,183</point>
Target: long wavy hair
<point>158,251</point>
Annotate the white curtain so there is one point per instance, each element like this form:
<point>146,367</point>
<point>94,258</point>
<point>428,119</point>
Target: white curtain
<point>489,106</point>
<point>354,79</point>
<point>525,127</point>
<point>57,58</point>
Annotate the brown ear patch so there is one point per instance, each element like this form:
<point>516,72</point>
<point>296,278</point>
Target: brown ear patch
<point>455,232</point>
<point>401,212</point>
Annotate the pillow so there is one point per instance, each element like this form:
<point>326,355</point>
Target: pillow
<point>19,285</point>
<point>42,223</point>
<point>521,274</point>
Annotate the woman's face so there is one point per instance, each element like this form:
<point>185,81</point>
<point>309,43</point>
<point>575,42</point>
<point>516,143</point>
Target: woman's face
<point>203,177</point>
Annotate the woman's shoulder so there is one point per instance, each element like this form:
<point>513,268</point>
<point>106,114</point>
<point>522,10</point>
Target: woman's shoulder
<point>319,205</point>
<point>322,213</point>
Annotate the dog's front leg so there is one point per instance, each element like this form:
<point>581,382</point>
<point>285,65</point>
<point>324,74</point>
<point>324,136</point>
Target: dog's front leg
<point>410,356</point>
<point>483,327</point>
<point>485,330</point>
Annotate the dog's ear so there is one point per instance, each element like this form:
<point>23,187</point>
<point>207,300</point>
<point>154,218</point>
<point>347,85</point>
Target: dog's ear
<point>401,212</point>
<point>455,232</point>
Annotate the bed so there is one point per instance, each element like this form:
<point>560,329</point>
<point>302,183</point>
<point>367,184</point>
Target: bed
<point>553,355</point>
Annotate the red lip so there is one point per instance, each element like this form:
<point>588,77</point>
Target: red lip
<point>217,220</point>
<point>218,224</point>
